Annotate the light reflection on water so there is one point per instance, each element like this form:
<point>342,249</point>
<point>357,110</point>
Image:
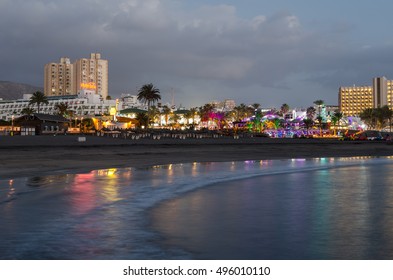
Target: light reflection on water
<point>335,213</point>
<point>285,209</point>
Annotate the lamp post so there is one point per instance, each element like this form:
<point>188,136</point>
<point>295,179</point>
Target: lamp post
<point>12,125</point>
<point>80,125</point>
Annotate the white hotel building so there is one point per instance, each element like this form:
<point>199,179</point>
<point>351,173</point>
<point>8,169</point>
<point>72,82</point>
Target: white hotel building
<point>353,100</point>
<point>85,104</point>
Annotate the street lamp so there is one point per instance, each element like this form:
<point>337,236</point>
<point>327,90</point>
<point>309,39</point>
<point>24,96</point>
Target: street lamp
<point>80,125</point>
<point>12,125</point>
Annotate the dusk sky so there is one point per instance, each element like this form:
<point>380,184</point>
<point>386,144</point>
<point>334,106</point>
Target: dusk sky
<point>252,51</point>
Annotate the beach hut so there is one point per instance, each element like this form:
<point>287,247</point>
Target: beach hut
<point>36,124</point>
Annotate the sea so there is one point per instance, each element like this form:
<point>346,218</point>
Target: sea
<point>294,209</point>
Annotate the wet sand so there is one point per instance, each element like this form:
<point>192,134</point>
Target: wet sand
<point>22,156</point>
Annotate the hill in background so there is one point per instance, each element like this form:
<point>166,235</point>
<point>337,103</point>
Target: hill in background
<point>12,91</point>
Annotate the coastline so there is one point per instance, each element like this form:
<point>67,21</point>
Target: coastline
<point>142,204</point>
<point>38,155</point>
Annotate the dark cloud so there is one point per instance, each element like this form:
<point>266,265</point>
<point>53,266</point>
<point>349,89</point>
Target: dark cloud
<point>210,53</point>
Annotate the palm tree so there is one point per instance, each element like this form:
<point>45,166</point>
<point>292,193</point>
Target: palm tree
<point>166,111</point>
<point>87,125</point>
<point>319,103</point>
<point>194,112</point>
<point>368,116</point>
<point>256,106</point>
<point>149,94</point>
<point>27,111</point>
<point>308,123</point>
<point>382,115</point>
<point>241,112</point>
<point>387,114</point>
<point>310,112</point>
<point>175,120</point>
<point>62,109</point>
<point>153,113</point>
<point>284,109</point>
<point>38,98</point>
<point>188,115</point>
<point>334,123</point>
<point>206,111</point>
<point>338,116</point>
<point>143,119</point>
<point>319,119</point>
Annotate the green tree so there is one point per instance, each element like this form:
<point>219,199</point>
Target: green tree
<point>336,118</point>
<point>388,115</point>
<point>284,109</point>
<point>319,119</point>
<point>153,114</point>
<point>27,111</point>
<point>149,94</point>
<point>175,118</point>
<point>87,125</point>
<point>206,111</point>
<point>62,109</point>
<point>166,111</point>
<point>143,119</point>
<point>194,112</point>
<point>256,106</point>
<point>241,112</point>
<point>319,104</point>
<point>308,123</point>
<point>310,113</point>
<point>368,117</point>
<point>338,115</point>
<point>188,115</point>
<point>38,98</point>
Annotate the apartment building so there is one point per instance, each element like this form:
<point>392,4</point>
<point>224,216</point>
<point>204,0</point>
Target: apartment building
<point>59,78</point>
<point>353,100</point>
<point>92,74</point>
<point>66,78</point>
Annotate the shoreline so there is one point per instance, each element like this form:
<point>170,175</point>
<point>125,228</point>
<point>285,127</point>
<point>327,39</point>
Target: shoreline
<point>25,156</point>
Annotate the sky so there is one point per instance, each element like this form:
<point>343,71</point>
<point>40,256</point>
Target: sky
<point>195,52</point>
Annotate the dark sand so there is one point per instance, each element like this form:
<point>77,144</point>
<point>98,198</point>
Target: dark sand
<point>22,156</point>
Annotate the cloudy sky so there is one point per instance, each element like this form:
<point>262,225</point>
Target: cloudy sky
<point>252,51</point>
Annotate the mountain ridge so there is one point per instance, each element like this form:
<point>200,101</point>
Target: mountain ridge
<point>11,90</point>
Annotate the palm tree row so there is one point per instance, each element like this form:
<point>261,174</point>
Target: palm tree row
<point>149,95</point>
<point>377,118</point>
<point>38,98</point>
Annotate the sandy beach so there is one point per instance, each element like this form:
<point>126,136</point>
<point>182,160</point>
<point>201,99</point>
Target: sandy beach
<point>38,155</point>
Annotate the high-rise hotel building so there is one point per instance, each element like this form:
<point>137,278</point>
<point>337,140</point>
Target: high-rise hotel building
<point>64,78</point>
<point>92,74</point>
<point>353,100</point>
<point>59,78</point>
